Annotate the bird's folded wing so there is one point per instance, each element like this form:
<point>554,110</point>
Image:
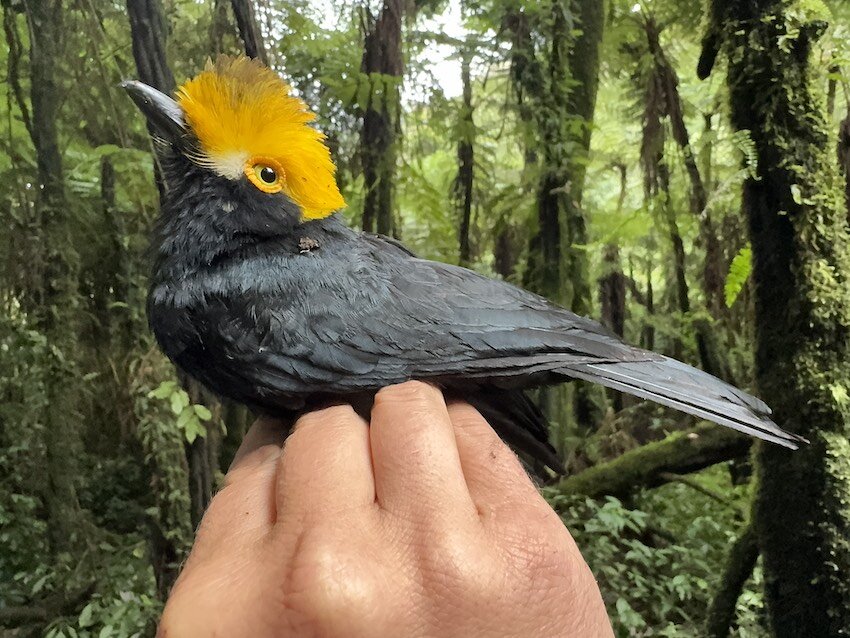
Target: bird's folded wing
<point>451,325</point>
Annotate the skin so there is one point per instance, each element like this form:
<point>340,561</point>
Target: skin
<point>422,524</point>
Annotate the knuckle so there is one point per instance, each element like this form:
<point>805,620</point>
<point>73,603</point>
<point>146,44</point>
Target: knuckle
<point>458,567</point>
<point>327,583</point>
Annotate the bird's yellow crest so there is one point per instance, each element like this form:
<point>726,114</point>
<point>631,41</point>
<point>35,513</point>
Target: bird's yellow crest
<point>249,124</point>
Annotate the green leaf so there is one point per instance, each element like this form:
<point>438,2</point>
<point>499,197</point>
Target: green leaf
<point>185,416</point>
<point>163,390</point>
<point>85,619</point>
<point>203,412</point>
<point>191,435</point>
<point>796,194</point>
<point>194,429</point>
<point>839,394</point>
<point>739,273</point>
<point>179,400</point>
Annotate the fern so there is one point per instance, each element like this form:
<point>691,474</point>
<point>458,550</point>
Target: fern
<point>739,273</point>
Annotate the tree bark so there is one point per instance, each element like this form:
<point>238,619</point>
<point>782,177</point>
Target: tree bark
<point>220,26</point>
<point>249,29</point>
<point>583,68</point>
<point>612,297</point>
<point>831,87</point>
<point>557,263</point>
<point>679,453</point>
<point>382,65</point>
<point>13,41</point>
<point>801,253</point>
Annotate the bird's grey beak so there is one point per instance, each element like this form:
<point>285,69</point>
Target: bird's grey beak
<point>163,113</point>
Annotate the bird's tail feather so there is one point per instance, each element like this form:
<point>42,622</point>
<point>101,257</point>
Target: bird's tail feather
<point>676,385</point>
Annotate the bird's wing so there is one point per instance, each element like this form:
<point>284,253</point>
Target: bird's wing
<point>428,320</point>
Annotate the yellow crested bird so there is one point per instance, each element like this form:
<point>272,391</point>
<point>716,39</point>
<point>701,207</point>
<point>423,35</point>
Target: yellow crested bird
<point>264,295</point>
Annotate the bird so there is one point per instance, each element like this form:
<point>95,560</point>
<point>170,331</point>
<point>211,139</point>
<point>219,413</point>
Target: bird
<point>262,293</point>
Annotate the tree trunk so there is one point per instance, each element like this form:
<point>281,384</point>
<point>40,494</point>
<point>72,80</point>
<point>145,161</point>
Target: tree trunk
<point>612,291</point>
<point>57,315</point>
<point>612,297</point>
<point>382,63</point>
<point>558,264</point>
<point>249,29</point>
<point>661,100</point>
<point>220,26</point>
<point>844,157</point>
<point>801,253</point>
<point>647,339</point>
<point>16,50</point>
<point>583,69</point>
<point>148,32</point>
<point>831,87</point>
<point>739,567</point>
<point>713,271</point>
<point>462,189</point>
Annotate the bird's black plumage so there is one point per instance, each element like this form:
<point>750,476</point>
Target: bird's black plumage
<point>240,304</point>
<point>280,313</point>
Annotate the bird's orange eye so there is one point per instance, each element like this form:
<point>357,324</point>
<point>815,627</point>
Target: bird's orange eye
<point>265,175</point>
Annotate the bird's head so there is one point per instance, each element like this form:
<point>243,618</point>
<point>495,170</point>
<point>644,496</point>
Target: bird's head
<point>238,121</point>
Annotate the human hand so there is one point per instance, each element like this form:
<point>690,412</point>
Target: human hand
<point>422,524</point>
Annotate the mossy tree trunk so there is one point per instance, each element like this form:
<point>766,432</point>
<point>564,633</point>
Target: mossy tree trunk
<point>844,156</point>
<point>562,94</point>
<point>583,69</point>
<point>382,65</point>
<point>655,463</point>
<point>57,312</point>
<point>559,97</point>
<point>583,64</point>
<point>801,252</point>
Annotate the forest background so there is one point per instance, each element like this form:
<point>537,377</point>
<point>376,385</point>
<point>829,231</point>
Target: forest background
<point>678,170</point>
